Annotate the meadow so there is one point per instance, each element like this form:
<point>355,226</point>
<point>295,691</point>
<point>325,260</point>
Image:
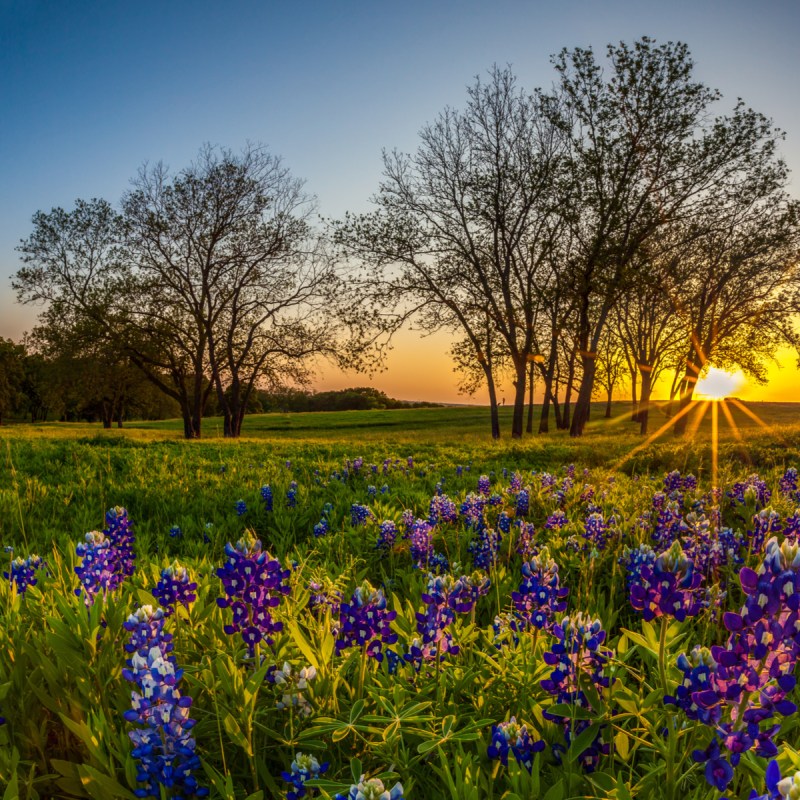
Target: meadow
<point>382,592</point>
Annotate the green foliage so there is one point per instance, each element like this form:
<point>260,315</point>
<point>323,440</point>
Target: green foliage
<point>63,694</point>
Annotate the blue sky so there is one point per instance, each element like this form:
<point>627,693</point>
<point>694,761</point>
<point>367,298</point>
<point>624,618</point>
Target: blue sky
<point>91,90</point>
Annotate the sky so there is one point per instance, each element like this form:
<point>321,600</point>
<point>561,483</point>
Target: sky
<point>89,91</point>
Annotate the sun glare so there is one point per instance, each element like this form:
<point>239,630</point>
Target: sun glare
<point>718,384</point>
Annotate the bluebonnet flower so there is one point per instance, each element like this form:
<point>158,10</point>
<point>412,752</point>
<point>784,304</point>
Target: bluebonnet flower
<point>163,746</point>
<point>515,486</point>
<point>523,503</point>
<point>670,526</point>
<point>738,688</point>
<point>587,493</point>
<point>504,523</point>
<point>322,528</point>
<point>372,491</point>
<point>791,529</point>
<point>675,485</point>
<point>99,570</point>
<point>266,496</point>
<point>421,543</point>
<point>364,622</point>
<point>442,509</point>
<point>292,684</point>
<point>777,789</point>
<point>385,488</point>
<point>547,482</point>
<point>558,519</point>
<point>291,495</point>
<point>438,563</point>
<point>175,532</point>
<point>23,572</point>
<point>526,546</point>
<point>596,531</point>
<point>577,656</point>
<point>483,485</point>
<point>634,559</point>
<point>432,624</point>
<point>669,587</point>
<point>209,527</point>
<point>175,587</point>
<point>765,523</point>
<point>372,789</point>
<point>540,595</point>
<point>463,592</point>
<point>484,546</point>
<point>788,484</point>
<point>472,509</point>
<point>253,583</point>
<point>495,500</point>
<point>718,771</point>
<point>322,599</point>
<point>511,736</point>
<point>753,492</point>
<point>303,768</point>
<point>387,535</point>
<point>459,470</point>
<point>359,515</point>
<point>241,508</point>
<point>119,530</point>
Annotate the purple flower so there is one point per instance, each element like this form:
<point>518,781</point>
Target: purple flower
<point>253,583</point>
<point>483,485</point>
<point>23,572</point>
<point>387,535</point>
<point>303,768</point>
<point>359,515</point>
<point>719,772</point>
<point>577,656</point>
<point>175,587</point>
<point>241,508</point>
<point>364,622</point>
<point>539,595</point>
<point>266,496</point>
<point>514,737</point>
<point>372,789</point>
<point>106,558</point>
<point>669,587</point>
<point>163,745</point>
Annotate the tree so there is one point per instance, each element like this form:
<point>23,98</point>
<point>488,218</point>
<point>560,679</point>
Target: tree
<point>736,284</point>
<point>644,150</point>
<point>464,224</point>
<point>75,264</point>
<point>610,363</point>
<point>227,243</point>
<point>209,281</point>
<point>12,375</point>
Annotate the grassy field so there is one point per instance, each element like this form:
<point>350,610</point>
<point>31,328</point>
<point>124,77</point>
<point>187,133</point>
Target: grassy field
<point>429,724</point>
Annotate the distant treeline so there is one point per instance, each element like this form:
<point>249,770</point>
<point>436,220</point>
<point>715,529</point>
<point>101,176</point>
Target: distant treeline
<point>363,398</point>
<point>35,388</point>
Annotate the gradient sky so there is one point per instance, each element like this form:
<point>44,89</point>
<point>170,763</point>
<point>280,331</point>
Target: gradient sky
<point>91,90</point>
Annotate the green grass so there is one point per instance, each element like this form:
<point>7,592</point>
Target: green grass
<point>60,671</point>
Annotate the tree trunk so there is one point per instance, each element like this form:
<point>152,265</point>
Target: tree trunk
<point>634,401</point>
<point>494,411</point>
<point>519,401</point>
<point>531,378</point>
<point>544,418</point>
<point>583,404</point>
<point>608,406</point>
<point>644,401</point>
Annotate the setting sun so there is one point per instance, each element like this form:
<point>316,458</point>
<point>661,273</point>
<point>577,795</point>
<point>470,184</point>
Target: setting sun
<point>718,384</point>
